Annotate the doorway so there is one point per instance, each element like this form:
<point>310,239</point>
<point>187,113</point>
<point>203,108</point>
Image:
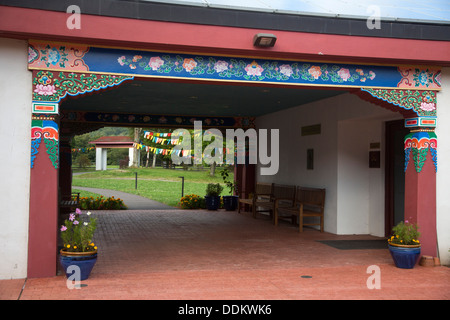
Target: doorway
<point>395,174</point>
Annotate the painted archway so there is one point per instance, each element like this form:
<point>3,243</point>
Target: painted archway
<point>61,70</point>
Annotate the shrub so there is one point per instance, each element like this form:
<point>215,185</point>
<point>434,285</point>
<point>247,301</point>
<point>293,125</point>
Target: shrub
<point>214,189</point>
<point>192,201</point>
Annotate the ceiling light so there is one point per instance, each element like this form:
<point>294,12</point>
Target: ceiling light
<point>264,40</point>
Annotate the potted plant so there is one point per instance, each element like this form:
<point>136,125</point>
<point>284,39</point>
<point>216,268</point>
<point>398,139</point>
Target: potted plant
<point>404,245</point>
<point>212,198</point>
<point>230,202</point>
<point>192,201</point>
<point>78,249</point>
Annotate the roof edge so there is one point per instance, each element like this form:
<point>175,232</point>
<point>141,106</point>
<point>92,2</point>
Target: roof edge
<point>258,19</point>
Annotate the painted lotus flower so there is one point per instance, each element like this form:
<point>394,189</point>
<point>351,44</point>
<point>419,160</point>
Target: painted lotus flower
<point>254,69</point>
<point>53,56</point>
<point>220,66</point>
<point>315,72</point>
<point>189,64</point>
<point>155,63</point>
<point>121,60</point>
<point>43,90</point>
<point>371,75</point>
<point>344,74</point>
<point>286,70</point>
<point>427,106</point>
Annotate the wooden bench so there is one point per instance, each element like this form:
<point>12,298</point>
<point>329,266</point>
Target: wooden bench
<point>262,191</point>
<point>282,196</point>
<point>72,202</point>
<point>309,202</point>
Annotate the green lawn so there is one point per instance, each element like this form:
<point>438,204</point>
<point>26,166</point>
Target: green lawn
<point>163,185</point>
<point>86,193</point>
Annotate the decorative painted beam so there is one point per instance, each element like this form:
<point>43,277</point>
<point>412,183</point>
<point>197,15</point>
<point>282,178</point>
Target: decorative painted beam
<point>45,128</point>
<point>419,142</point>
<point>422,102</point>
<point>49,88</point>
<point>148,120</point>
<point>421,122</point>
<point>52,86</point>
<point>78,58</point>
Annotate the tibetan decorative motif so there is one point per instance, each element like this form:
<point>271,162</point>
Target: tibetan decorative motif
<point>57,56</point>
<point>54,86</point>
<point>419,143</point>
<point>428,122</point>
<point>46,130</point>
<point>422,102</point>
<point>75,58</point>
<point>158,120</point>
<point>415,78</point>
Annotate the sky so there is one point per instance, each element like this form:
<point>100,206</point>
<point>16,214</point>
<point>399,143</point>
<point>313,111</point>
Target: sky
<point>423,10</point>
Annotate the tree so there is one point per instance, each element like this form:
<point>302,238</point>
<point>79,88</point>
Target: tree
<point>136,152</point>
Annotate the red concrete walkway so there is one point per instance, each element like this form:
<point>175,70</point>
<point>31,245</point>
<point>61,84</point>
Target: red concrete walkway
<point>181,254</point>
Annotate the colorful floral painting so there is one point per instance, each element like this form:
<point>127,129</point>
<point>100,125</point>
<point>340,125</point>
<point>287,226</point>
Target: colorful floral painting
<point>69,57</point>
<point>49,86</point>
<point>57,56</point>
<point>420,78</point>
<point>422,102</point>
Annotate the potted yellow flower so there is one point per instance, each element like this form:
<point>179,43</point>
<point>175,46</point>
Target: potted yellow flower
<point>78,248</point>
<point>404,245</point>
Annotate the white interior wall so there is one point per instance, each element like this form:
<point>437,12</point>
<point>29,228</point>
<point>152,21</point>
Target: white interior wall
<point>443,172</point>
<point>360,188</point>
<point>354,192</point>
<point>15,132</point>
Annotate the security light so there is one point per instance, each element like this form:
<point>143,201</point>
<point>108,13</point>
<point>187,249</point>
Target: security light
<point>264,40</point>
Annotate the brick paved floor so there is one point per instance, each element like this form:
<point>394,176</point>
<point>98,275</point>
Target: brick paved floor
<point>181,254</point>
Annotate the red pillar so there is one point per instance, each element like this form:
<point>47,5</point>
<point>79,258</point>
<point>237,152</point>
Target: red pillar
<point>42,234</point>
<point>420,201</point>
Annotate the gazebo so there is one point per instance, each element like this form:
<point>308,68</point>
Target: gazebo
<point>103,143</point>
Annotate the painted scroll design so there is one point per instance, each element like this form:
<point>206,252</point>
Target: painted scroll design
<point>417,78</point>
<point>46,130</point>
<point>419,143</point>
<point>54,86</point>
<point>422,102</point>
<point>61,56</point>
<point>156,120</point>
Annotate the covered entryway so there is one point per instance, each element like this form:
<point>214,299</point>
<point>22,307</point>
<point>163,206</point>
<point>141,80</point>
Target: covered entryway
<point>249,100</point>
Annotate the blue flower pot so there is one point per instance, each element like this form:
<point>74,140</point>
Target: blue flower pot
<point>405,257</point>
<point>85,261</point>
<point>230,202</point>
<point>212,202</point>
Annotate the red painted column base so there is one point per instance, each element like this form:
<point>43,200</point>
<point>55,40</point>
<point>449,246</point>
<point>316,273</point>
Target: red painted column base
<point>42,236</point>
<point>420,203</point>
